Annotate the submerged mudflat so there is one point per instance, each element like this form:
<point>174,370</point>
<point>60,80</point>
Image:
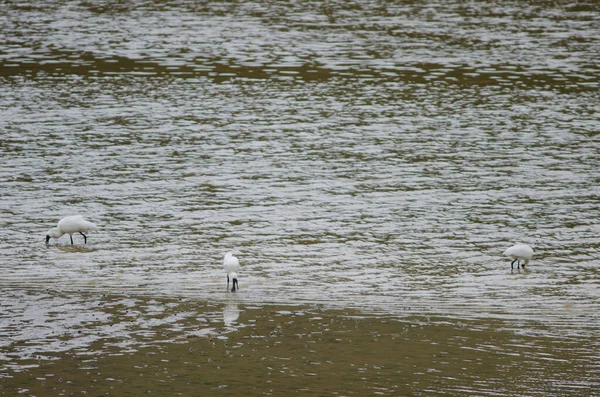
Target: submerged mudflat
<point>124,346</point>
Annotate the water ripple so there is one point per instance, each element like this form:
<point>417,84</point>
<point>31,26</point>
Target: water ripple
<point>380,157</point>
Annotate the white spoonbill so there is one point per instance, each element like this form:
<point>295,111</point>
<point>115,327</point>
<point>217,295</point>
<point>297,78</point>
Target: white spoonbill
<point>232,266</point>
<point>519,252</point>
<point>69,225</point>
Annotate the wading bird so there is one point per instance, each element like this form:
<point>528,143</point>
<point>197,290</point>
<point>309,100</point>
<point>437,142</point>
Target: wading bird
<point>518,253</point>
<point>70,225</point>
<point>232,266</point>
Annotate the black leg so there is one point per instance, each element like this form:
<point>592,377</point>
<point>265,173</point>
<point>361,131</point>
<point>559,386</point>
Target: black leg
<point>511,263</point>
<point>228,281</point>
<point>84,238</point>
<point>70,235</point>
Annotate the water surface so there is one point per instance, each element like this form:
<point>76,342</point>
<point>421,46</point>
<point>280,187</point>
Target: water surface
<point>367,159</point>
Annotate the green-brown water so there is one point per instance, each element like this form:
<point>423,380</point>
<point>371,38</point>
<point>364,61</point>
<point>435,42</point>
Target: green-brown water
<point>126,346</point>
<point>367,161</point>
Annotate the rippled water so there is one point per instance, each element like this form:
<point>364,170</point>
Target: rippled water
<point>117,345</point>
<point>372,156</point>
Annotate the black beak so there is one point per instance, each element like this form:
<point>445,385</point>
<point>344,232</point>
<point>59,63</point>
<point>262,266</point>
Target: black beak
<point>235,284</point>
<point>47,239</point>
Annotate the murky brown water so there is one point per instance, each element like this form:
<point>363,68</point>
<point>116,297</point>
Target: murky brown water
<point>117,345</point>
<point>365,160</point>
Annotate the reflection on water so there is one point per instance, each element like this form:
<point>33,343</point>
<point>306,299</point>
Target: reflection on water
<point>366,157</point>
<point>231,312</point>
<point>129,346</point>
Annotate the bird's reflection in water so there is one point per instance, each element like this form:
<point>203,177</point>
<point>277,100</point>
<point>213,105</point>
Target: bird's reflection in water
<point>73,248</point>
<point>231,312</point>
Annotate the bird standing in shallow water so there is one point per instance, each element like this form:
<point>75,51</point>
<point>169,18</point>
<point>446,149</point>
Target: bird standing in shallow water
<point>519,252</point>
<point>232,266</point>
<point>70,225</point>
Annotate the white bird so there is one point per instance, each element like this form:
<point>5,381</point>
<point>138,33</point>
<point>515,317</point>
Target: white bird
<point>519,252</point>
<point>232,266</point>
<point>69,225</point>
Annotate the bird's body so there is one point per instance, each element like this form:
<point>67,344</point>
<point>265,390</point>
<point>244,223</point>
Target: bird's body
<point>518,253</point>
<point>69,225</point>
<point>232,266</point>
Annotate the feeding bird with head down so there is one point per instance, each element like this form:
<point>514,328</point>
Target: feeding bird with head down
<point>232,266</point>
<point>519,252</point>
<point>69,225</point>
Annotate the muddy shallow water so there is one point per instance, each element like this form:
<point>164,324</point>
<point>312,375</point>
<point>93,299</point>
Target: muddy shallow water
<point>126,346</point>
<point>368,162</point>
